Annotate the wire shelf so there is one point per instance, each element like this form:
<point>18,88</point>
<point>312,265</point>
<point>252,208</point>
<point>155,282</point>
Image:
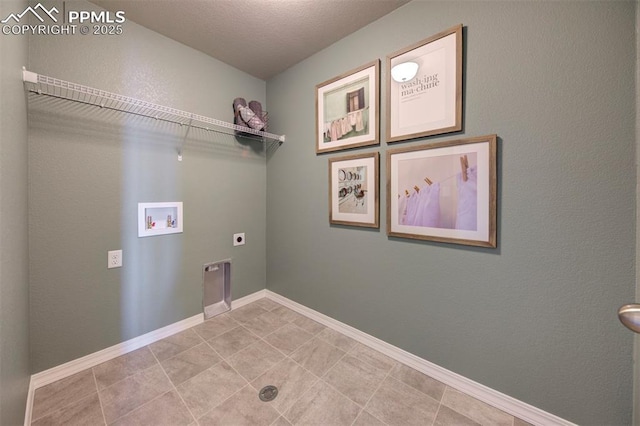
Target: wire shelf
<point>49,86</point>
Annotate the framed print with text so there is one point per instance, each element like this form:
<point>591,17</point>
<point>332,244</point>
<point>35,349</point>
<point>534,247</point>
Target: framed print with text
<point>444,192</point>
<point>347,109</point>
<point>353,190</point>
<point>424,87</point>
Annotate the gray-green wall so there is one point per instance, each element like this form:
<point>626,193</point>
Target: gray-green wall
<point>636,380</point>
<point>536,317</point>
<point>89,168</point>
<point>14,266</point>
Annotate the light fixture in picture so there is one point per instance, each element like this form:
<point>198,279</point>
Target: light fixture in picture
<point>404,72</point>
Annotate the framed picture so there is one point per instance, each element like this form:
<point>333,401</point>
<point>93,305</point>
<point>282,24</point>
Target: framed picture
<point>353,190</point>
<point>444,192</point>
<point>347,109</point>
<point>424,87</point>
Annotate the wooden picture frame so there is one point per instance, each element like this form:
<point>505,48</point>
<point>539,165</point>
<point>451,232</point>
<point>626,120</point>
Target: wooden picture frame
<point>444,192</point>
<point>347,109</point>
<point>425,100</point>
<point>354,183</point>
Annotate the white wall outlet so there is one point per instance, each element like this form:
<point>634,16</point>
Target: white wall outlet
<point>114,259</point>
<point>238,239</point>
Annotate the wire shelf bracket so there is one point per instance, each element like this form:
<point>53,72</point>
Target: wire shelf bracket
<point>49,86</point>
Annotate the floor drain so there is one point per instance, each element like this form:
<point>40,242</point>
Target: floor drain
<point>268,393</point>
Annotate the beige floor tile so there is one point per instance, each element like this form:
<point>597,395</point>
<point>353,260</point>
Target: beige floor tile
<point>123,366</point>
<point>474,409</point>
<point>520,422</point>
<point>288,338</point>
<point>447,417</point>
<point>233,341</point>
<point>317,356</point>
<point>254,360</point>
<point>166,410</point>
<point>285,313</point>
<point>338,340</point>
<point>265,324</point>
<point>267,304</point>
<point>173,345</point>
<point>86,411</point>
<point>323,405</point>
<point>247,312</point>
<point>308,324</point>
<point>128,394</point>
<point>355,379</point>
<point>291,379</point>
<point>366,419</point>
<point>215,326</point>
<point>64,392</point>
<point>419,381</point>
<point>373,357</point>
<point>243,409</point>
<point>281,421</point>
<point>327,379</point>
<point>398,404</point>
<point>187,364</point>
<point>209,388</point>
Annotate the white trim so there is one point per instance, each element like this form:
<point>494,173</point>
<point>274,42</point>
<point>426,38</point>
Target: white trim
<point>481,392</point>
<point>250,298</point>
<point>70,368</point>
<point>27,411</point>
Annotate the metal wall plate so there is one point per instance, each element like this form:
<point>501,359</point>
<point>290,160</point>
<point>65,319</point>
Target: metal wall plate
<point>216,288</point>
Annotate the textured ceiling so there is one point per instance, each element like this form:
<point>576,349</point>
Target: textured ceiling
<point>260,37</point>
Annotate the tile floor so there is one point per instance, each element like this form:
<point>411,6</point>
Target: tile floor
<point>211,374</point>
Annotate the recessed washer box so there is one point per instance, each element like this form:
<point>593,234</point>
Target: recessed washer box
<point>216,284</point>
<point>159,218</point>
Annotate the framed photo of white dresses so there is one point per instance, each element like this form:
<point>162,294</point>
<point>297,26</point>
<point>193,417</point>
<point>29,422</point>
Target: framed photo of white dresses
<point>444,192</point>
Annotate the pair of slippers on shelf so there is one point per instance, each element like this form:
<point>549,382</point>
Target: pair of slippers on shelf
<point>248,116</point>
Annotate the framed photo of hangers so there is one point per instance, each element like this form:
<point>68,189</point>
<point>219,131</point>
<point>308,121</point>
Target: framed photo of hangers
<point>444,192</point>
<point>354,183</point>
<point>424,87</point>
<point>347,109</point>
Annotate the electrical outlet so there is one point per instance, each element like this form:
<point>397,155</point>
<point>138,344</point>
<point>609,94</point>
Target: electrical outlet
<point>114,259</point>
<point>238,239</point>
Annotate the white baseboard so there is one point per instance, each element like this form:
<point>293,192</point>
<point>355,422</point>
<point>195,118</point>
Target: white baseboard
<point>483,393</point>
<point>250,298</point>
<point>27,411</point>
<point>70,368</point>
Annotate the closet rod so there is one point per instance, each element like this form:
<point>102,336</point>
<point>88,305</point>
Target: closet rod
<point>50,86</point>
